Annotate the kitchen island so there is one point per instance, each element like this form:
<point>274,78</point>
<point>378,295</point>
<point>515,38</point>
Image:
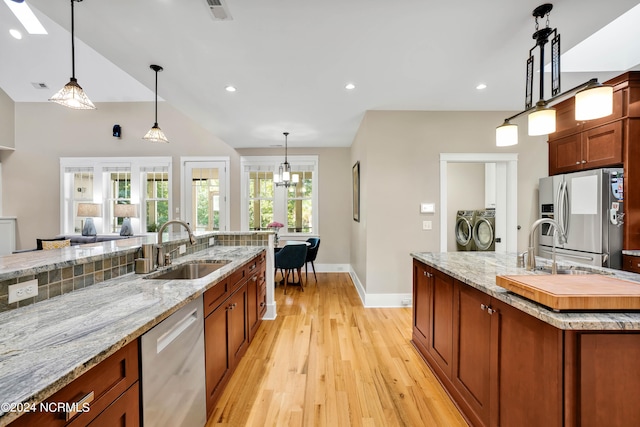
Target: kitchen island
<point>46,345</point>
<point>506,360</point>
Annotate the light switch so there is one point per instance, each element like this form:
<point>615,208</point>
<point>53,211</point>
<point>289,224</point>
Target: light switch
<point>427,207</point>
<point>427,225</point>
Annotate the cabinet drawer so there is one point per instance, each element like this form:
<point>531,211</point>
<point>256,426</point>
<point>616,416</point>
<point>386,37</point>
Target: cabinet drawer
<point>98,388</point>
<point>631,263</point>
<point>218,293</point>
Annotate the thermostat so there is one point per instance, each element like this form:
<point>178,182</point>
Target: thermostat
<point>427,208</point>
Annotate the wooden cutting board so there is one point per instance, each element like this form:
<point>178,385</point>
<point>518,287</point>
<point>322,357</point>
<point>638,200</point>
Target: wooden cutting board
<point>575,292</point>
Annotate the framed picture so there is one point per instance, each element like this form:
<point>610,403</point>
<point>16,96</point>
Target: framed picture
<point>356,191</point>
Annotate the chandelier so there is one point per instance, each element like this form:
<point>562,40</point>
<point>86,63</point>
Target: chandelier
<point>284,177</point>
<point>593,100</point>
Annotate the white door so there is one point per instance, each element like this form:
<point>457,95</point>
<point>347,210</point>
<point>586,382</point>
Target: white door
<point>205,195</point>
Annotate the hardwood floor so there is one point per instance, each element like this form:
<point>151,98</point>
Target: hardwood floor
<point>326,361</point>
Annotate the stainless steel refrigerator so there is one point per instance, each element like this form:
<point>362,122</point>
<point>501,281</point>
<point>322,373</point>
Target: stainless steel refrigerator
<point>589,207</point>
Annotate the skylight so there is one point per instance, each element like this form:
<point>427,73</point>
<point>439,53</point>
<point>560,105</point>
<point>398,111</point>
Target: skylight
<point>596,54</point>
<point>26,17</point>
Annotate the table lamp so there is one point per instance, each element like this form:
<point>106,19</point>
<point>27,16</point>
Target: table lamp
<point>126,212</point>
<point>89,211</point>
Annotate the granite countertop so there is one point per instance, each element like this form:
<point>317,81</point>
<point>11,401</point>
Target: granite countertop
<point>479,270</point>
<point>45,346</point>
<point>632,252</point>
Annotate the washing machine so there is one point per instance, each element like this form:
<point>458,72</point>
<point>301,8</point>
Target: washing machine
<point>464,230</point>
<point>484,230</point>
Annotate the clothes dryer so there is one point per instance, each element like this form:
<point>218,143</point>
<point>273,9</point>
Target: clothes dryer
<point>464,230</point>
<point>484,234</point>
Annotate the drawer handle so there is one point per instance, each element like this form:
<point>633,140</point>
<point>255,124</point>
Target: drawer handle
<point>253,267</point>
<point>262,304</point>
<point>78,406</point>
<point>483,307</point>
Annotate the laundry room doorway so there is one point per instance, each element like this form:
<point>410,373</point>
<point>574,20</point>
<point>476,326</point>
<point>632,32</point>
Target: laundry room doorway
<point>480,181</point>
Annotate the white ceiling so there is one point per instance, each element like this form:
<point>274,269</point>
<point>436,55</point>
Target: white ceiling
<point>290,59</point>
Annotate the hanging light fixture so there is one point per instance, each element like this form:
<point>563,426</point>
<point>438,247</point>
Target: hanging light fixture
<point>155,134</point>
<point>72,95</point>
<point>593,100</point>
<point>284,177</point>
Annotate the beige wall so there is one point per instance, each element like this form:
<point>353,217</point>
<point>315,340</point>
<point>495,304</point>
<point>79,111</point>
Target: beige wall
<point>465,185</point>
<point>44,132</point>
<point>359,229</point>
<point>401,160</point>
<point>7,117</point>
<point>334,198</point>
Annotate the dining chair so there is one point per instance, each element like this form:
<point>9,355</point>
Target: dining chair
<point>289,259</point>
<point>312,252</point>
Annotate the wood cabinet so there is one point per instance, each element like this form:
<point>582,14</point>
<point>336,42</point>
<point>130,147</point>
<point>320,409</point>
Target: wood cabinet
<point>433,321</point>
<point>230,307</point>
<point>499,356</point>
<point>594,148</point>
<point>106,395</point>
<point>256,294</point>
<point>631,263</point>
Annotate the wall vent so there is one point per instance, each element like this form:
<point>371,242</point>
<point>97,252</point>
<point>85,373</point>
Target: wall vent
<point>219,10</point>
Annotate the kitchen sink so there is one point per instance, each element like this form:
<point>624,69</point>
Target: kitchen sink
<point>572,271</point>
<point>188,271</point>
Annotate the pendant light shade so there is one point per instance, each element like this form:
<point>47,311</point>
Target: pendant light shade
<point>506,134</point>
<point>72,95</point>
<point>155,134</point>
<point>284,177</point>
<point>594,101</point>
<point>542,120</point>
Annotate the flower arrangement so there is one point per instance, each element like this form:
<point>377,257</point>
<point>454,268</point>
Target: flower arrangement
<point>276,227</point>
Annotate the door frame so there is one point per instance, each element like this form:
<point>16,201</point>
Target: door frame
<point>185,186</point>
<point>506,195</point>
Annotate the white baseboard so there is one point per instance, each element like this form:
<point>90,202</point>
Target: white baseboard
<point>331,268</point>
<point>271,312</point>
<point>379,300</point>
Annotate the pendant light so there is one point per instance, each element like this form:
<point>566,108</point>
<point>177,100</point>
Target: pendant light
<point>72,95</point>
<point>284,177</point>
<point>592,99</point>
<point>155,134</point>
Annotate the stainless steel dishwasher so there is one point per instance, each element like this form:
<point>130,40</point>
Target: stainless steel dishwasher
<point>173,371</point>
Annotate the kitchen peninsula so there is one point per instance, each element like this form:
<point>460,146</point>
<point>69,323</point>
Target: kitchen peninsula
<point>47,345</point>
<point>506,360</point>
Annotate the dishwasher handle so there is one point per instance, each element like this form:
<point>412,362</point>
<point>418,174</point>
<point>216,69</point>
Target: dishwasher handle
<point>172,334</point>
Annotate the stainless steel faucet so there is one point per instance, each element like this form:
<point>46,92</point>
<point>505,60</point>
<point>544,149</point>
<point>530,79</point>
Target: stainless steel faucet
<point>558,233</point>
<point>192,238</point>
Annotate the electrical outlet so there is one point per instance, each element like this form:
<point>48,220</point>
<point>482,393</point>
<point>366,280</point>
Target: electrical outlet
<point>24,290</point>
<point>182,249</point>
<point>212,241</point>
<point>406,301</point>
<point>427,225</point>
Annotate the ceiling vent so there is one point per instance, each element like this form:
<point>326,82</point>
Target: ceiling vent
<point>39,85</point>
<point>219,10</point>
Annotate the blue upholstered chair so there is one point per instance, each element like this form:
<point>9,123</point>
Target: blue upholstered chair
<point>289,259</point>
<point>312,252</point>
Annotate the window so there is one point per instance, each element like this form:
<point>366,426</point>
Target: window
<point>264,202</point>
<point>143,181</point>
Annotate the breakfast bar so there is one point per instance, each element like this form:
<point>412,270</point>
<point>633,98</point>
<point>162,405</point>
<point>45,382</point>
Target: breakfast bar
<point>507,360</point>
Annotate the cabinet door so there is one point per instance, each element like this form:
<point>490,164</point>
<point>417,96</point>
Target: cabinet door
<point>440,344</point>
<point>565,154</point>
<point>473,351</point>
<point>124,412</point>
<point>216,354</point>
<point>421,302</point>
<point>238,331</point>
<point>529,369</point>
<point>602,146</point>
<point>252,304</point>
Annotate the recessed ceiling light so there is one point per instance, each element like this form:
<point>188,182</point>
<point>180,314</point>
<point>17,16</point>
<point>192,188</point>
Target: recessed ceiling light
<point>230,88</point>
<point>481,86</point>
<point>15,34</point>
<point>26,17</point>
<point>349,86</point>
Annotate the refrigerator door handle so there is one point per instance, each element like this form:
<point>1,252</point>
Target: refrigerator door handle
<point>563,196</point>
